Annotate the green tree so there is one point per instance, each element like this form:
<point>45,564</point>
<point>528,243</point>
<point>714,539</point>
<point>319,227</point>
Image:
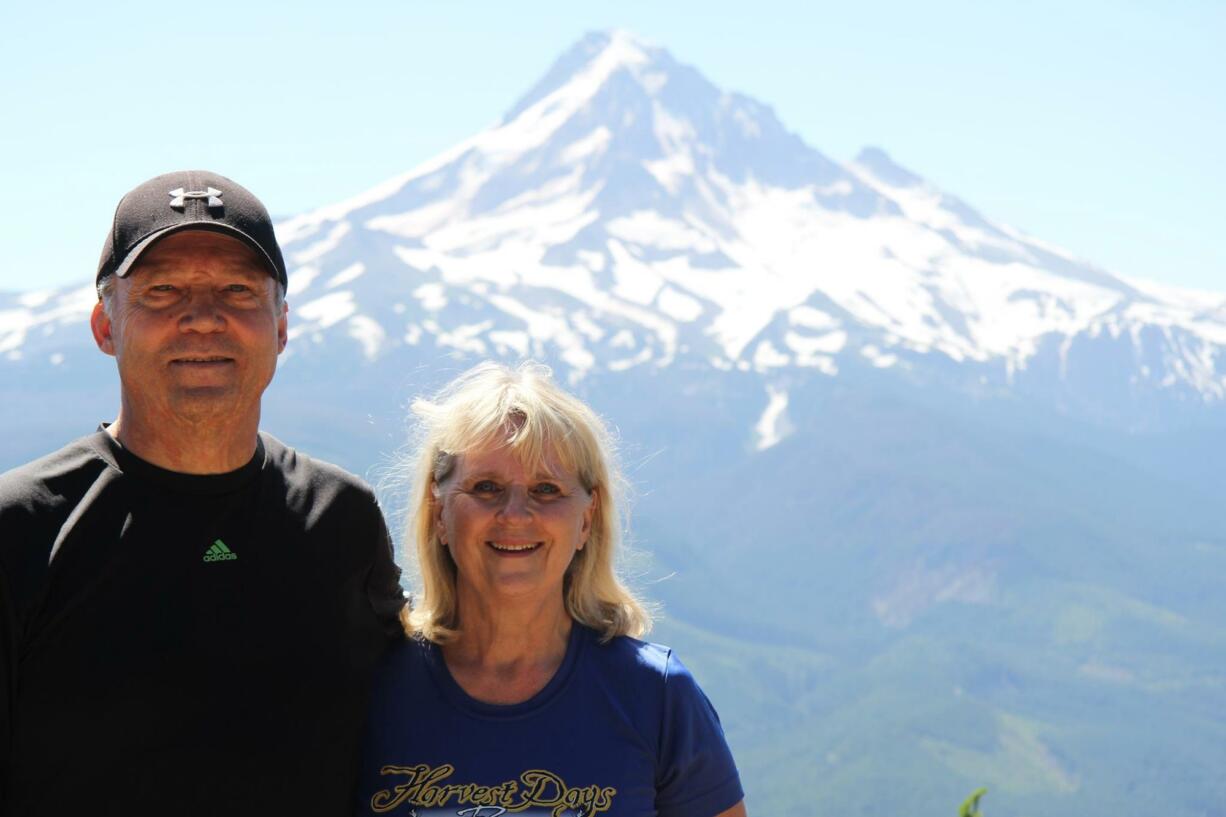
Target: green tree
<point>970,806</point>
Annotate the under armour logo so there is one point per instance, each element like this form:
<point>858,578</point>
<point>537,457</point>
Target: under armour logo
<point>179,197</point>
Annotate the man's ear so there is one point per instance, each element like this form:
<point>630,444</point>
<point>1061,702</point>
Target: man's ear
<point>102,327</point>
<point>283,328</point>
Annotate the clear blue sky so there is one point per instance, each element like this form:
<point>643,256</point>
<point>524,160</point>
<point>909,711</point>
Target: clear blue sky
<point>1098,126</point>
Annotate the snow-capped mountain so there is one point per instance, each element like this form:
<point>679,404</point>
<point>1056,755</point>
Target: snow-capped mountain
<point>627,213</point>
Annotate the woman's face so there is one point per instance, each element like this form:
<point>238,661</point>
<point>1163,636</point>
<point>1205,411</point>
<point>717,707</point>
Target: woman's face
<point>512,532</point>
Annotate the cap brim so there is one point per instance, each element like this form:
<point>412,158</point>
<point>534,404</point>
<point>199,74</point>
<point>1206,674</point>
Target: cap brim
<point>148,241</point>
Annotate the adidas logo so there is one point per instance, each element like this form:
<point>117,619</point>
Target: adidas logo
<point>218,552</point>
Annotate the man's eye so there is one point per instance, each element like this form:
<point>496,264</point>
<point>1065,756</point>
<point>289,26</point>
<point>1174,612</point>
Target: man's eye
<point>162,288</point>
<point>238,288</point>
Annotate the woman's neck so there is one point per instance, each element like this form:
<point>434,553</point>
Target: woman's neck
<point>506,653</point>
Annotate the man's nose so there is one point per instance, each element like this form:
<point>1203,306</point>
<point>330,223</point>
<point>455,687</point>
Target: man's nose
<point>202,312</point>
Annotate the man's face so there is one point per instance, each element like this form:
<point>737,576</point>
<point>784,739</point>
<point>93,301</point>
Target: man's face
<point>196,327</point>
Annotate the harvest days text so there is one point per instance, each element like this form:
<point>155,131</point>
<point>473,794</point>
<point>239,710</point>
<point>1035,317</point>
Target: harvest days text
<point>538,788</point>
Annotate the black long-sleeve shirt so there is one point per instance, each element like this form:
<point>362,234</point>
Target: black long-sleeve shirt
<point>183,644</point>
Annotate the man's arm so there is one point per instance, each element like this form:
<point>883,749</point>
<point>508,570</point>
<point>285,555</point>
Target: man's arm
<point>8,679</point>
<point>383,582</point>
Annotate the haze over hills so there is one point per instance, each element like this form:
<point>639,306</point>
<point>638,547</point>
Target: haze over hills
<point>930,503</point>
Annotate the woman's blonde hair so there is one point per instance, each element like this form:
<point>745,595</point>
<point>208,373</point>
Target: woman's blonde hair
<point>523,409</point>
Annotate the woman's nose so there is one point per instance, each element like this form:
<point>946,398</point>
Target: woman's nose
<point>516,505</point>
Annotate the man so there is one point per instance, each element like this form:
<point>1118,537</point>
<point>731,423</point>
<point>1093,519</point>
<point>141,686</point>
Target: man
<point>189,610</point>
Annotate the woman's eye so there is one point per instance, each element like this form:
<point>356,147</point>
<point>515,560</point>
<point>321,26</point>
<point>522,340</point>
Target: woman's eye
<point>547,488</point>
<point>485,486</point>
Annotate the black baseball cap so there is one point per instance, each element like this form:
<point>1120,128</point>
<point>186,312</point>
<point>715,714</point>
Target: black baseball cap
<point>188,200</point>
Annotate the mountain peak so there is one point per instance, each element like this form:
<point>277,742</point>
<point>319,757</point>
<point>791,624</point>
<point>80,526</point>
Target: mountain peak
<point>619,38</point>
<point>614,88</point>
<point>615,46</point>
<point>603,51</point>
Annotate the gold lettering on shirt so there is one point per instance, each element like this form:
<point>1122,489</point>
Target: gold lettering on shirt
<point>426,786</point>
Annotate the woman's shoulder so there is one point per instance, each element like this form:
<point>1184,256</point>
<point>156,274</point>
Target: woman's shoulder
<point>624,649</point>
<point>636,661</point>
<point>695,773</point>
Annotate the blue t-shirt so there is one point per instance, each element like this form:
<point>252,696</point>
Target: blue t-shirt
<point>621,729</point>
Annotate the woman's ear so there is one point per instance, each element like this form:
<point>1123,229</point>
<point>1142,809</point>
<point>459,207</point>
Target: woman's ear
<point>589,513</point>
<point>436,513</point>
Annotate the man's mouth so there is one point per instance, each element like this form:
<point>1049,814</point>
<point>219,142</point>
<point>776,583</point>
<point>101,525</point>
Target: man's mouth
<point>202,360</point>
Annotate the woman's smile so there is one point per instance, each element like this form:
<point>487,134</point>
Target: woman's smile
<point>512,548</point>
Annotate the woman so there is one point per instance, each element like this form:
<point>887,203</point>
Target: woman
<point>523,688</point>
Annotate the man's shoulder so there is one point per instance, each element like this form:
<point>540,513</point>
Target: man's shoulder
<point>53,479</point>
<point>35,500</point>
<point>311,478</point>
<point>332,507</point>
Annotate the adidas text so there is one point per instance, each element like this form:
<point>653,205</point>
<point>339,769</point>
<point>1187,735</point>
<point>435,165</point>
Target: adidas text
<point>218,552</point>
